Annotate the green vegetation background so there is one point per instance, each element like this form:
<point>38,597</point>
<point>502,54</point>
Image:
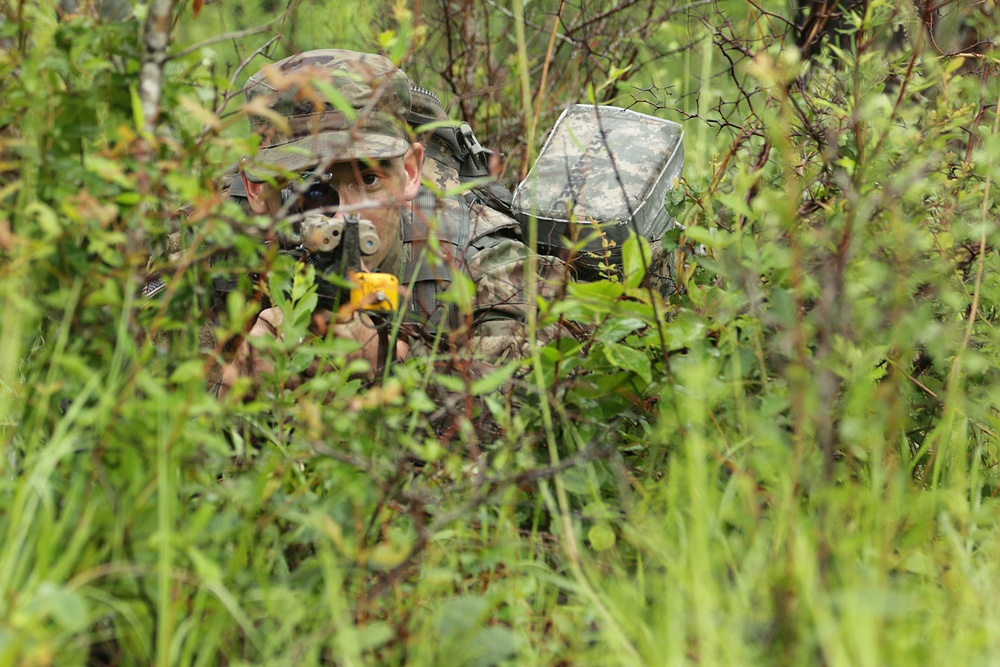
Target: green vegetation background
<point>793,461</point>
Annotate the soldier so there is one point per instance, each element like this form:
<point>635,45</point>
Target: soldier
<point>355,152</point>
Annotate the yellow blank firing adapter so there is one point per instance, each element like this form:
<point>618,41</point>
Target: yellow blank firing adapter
<point>374,291</point>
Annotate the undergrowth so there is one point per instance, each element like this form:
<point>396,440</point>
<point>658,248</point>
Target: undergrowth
<point>791,460</point>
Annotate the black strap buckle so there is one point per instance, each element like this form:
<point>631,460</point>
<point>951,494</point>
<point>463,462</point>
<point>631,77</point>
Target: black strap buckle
<point>472,146</point>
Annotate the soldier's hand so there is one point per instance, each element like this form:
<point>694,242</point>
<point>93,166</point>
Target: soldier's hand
<point>249,361</point>
<point>255,364</point>
<point>356,327</point>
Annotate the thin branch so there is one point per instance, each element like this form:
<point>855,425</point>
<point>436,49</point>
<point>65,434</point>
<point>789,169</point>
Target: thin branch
<point>249,32</point>
<point>540,28</point>
<point>232,83</point>
<point>247,61</point>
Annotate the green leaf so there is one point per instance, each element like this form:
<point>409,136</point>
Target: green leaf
<point>66,608</point>
<point>587,301</point>
<point>128,198</point>
<point>615,329</point>
<point>387,555</point>
<point>303,302</point>
<point>687,329</point>
<point>374,635</point>
<point>109,170</point>
<point>601,537</point>
<point>137,116</point>
<point>710,238</point>
<point>491,646</point>
<point>636,255</point>
<point>301,359</point>
<point>577,482</point>
<point>451,383</point>
<point>188,371</point>
<point>625,357</point>
<point>461,614</point>
<point>336,99</point>
<point>205,567</point>
<point>46,217</point>
<point>418,401</point>
<point>954,64</point>
<point>495,379</point>
<point>461,292</point>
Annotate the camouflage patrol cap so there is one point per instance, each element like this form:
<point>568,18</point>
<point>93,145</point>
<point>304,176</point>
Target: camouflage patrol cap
<point>326,106</point>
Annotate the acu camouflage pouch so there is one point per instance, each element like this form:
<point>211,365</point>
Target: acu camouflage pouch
<point>602,173</point>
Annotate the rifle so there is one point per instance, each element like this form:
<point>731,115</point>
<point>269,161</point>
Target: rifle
<point>335,247</point>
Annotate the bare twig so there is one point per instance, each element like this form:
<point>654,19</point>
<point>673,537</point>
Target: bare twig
<point>231,93</point>
<point>249,32</point>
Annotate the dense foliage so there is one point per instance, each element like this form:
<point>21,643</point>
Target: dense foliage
<point>790,461</point>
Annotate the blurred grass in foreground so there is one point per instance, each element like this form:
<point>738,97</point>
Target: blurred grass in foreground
<point>792,462</point>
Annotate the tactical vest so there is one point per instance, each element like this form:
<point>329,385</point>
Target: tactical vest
<point>461,230</point>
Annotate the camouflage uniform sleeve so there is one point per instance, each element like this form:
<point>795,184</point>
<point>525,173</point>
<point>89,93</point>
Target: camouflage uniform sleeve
<point>498,269</point>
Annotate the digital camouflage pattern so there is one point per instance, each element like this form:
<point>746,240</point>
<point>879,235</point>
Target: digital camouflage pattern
<point>494,259</point>
<point>301,127</point>
<point>482,243</point>
<point>602,168</point>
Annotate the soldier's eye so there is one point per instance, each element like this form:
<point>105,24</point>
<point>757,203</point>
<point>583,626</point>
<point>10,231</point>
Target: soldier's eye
<point>370,178</point>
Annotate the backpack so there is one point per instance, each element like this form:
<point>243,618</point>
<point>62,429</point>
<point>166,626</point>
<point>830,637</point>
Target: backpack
<point>602,173</point>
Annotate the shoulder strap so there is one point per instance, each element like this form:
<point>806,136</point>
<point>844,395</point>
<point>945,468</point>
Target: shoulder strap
<point>457,148</point>
<point>426,272</point>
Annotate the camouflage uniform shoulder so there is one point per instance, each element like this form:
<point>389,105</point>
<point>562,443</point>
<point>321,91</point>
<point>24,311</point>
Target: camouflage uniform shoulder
<point>444,185</point>
<point>489,224</point>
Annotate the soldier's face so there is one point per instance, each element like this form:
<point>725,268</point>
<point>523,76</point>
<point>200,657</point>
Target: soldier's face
<point>376,191</point>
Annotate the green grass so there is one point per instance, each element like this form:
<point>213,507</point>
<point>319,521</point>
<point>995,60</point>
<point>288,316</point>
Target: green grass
<point>800,471</point>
